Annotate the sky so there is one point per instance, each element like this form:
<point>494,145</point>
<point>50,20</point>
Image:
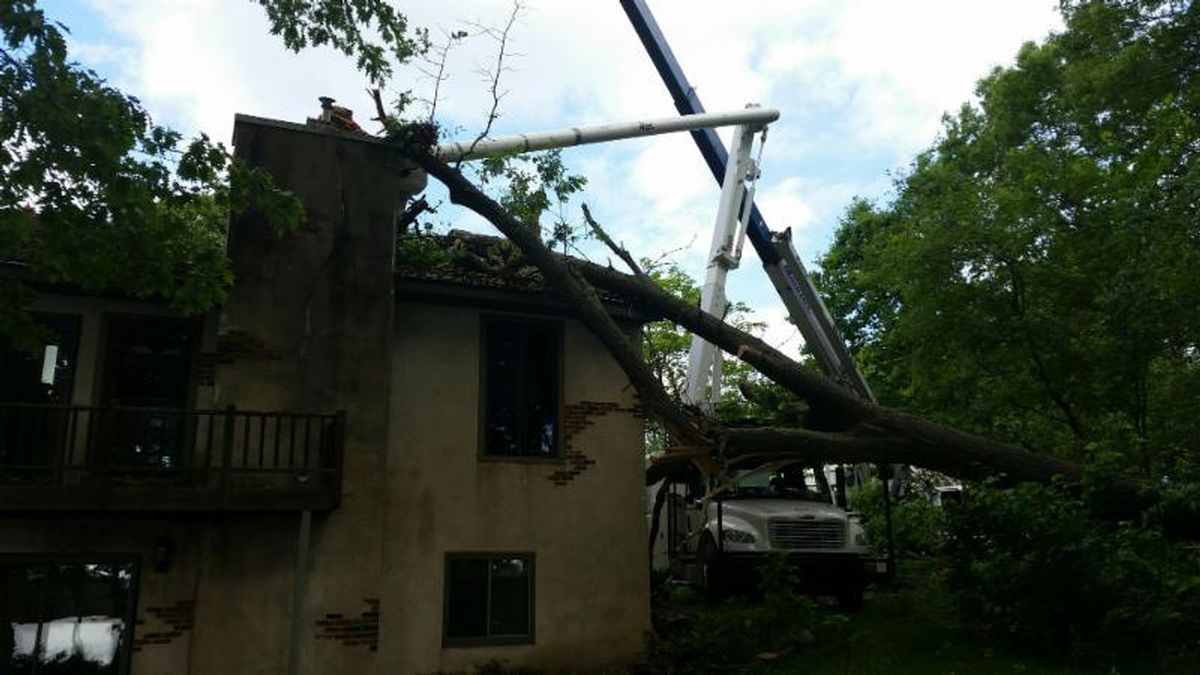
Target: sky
<point>861,86</point>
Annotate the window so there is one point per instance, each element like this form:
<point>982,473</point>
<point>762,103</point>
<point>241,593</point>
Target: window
<point>489,599</point>
<point>37,378</point>
<point>148,361</point>
<point>147,364</point>
<point>45,374</point>
<point>522,375</point>
<point>65,617</point>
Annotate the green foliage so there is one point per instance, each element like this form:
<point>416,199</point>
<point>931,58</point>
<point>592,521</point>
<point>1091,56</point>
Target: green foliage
<point>918,526</point>
<point>93,193</point>
<point>1034,563</point>
<point>370,31</point>
<point>915,631</point>
<point>740,629</point>
<point>420,249</point>
<point>1035,278</point>
<point>665,345</point>
<point>411,136</point>
<point>533,184</point>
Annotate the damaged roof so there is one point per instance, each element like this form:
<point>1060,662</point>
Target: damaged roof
<point>465,265</point>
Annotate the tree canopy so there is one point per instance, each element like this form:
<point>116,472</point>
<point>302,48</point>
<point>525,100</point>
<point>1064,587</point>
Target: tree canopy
<point>1035,277</point>
<point>95,194</point>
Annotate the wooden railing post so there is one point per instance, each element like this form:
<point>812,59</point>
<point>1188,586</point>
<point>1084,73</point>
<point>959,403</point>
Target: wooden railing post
<point>339,450</point>
<point>106,441</point>
<point>96,444</point>
<point>61,437</point>
<point>227,446</point>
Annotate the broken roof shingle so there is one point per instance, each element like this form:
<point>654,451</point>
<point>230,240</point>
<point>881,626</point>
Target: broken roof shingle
<point>479,261</point>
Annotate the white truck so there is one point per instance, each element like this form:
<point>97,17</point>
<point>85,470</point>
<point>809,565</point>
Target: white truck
<point>721,527</point>
<point>719,537</point>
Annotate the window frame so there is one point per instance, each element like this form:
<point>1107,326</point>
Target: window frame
<point>557,326</point>
<point>488,641</point>
<point>103,382</point>
<point>76,320</point>
<point>133,560</point>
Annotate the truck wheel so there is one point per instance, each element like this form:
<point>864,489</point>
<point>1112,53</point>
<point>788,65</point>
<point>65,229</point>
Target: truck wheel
<point>850,597</point>
<point>712,572</point>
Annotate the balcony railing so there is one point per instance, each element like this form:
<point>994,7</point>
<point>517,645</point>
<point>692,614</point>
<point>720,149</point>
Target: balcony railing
<point>81,457</point>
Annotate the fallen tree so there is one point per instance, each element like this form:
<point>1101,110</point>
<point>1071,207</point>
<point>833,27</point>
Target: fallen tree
<point>849,429</point>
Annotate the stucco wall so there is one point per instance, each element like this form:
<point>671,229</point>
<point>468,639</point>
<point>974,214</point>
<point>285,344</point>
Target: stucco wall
<point>309,327</point>
<point>583,520</point>
<point>309,323</point>
<point>165,599</point>
<point>94,539</point>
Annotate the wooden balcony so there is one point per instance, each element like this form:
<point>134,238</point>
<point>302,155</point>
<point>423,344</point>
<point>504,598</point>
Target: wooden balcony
<point>80,458</point>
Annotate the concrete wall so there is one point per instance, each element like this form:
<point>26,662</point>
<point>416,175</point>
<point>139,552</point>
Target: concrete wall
<point>308,328</point>
<point>312,326</point>
<point>584,521</point>
<point>165,600</point>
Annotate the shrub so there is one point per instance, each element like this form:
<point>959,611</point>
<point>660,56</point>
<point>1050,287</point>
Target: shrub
<point>738,629</point>
<point>917,525</point>
<point>1034,563</point>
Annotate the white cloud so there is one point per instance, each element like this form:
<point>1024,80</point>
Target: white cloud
<point>198,63</point>
<point>861,84</point>
<point>779,332</point>
<point>784,201</point>
<point>896,67</point>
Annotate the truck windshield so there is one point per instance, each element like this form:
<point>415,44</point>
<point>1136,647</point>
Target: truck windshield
<point>791,482</point>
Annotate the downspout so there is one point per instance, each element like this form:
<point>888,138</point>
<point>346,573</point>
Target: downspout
<point>303,539</point>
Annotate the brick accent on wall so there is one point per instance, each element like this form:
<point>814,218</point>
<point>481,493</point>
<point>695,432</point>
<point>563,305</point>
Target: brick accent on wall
<point>576,418</point>
<point>239,343</point>
<point>360,631</point>
<point>232,345</point>
<point>162,625</point>
<point>205,364</point>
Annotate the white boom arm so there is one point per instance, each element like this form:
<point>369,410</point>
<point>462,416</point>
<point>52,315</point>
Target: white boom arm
<point>562,138</point>
<point>729,229</point>
<point>725,252</point>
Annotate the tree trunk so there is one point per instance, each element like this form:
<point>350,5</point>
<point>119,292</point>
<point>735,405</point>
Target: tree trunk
<point>851,429</point>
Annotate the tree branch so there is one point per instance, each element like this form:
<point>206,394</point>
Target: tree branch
<point>612,245</point>
<point>501,36</point>
<point>566,280</point>
<point>866,433</point>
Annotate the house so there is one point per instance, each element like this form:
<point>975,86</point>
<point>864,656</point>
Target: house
<point>351,467</point>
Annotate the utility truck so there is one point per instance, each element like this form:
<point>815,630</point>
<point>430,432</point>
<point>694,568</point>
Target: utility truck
<point>718,533</point>
<point>725,520</point>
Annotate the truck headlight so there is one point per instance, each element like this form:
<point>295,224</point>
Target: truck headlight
<point>731,536</point>
<point>860,538</point>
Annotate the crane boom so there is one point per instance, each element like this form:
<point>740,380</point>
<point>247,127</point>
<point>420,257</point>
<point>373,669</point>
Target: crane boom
<point>776,252</point>
<point>571,136</point>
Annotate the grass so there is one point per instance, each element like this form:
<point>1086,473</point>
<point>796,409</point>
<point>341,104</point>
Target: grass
<point>914,630</point>
<point>909,630</point>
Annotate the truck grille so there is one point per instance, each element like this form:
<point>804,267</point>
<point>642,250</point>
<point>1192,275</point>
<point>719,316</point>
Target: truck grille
<point>788,533</point>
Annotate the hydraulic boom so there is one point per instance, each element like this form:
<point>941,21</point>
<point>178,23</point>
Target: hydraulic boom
<point>779,258</point>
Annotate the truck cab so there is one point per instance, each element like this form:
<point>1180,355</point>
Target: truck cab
<point>718,533</point>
